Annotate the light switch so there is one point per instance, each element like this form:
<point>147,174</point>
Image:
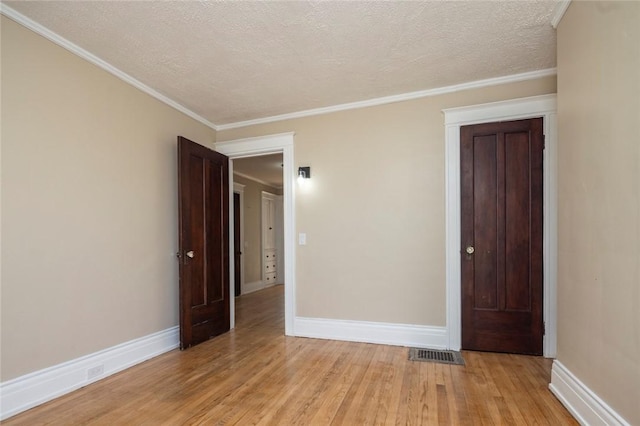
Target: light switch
<point>302,239</point>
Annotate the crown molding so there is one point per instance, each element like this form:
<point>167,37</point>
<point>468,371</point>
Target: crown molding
<point>558,13</point>
<point>84,54</point>
<point>532,75</point>
<point>77,50</point>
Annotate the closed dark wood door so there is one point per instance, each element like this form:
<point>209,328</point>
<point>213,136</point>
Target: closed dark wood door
<point>501,213</point>
<point>237,244</point>
<point>203,185</point>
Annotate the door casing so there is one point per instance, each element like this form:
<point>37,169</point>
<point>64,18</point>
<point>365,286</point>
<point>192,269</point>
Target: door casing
<point>272,144</point>
<point>537,106</point>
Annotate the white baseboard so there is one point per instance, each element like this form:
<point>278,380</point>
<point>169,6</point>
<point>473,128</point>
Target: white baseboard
<point>372,332</point>
<point>36,388</point>
<point>255,286</point>
<point>582,403</point>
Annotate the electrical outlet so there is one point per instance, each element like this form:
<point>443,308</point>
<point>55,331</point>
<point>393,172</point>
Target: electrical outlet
<point>94,372</point>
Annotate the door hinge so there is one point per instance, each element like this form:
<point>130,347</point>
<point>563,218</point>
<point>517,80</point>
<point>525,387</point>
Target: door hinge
<point>544,142</point>
<point>544,328</point>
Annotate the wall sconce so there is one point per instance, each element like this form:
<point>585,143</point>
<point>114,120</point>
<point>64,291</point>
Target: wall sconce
<point>304,173</point>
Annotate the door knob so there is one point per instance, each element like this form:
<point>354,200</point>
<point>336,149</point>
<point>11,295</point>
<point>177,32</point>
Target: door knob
<point>190,254</point>
<point>470,250</point>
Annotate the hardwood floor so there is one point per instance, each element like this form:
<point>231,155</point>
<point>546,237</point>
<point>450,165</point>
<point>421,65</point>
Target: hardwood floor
<point>256,375</point>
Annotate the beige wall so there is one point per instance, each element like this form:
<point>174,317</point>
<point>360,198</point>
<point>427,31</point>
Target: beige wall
<point>89,211</point>
<point>374,217</point>
<point>252,227</point>
<point>599,200</point>
<point>89,206</point>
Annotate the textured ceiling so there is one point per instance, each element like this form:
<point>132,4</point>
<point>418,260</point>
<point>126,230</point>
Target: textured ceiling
<point>266,168</point>
<point>236,61</point>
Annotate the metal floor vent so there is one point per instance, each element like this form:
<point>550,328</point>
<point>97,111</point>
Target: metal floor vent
<point>432,355</point>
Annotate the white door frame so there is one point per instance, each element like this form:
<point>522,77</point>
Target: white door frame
<point>263,145</point>
<point>239,189</point>
<point>280,239</point>
<point>537,106</point>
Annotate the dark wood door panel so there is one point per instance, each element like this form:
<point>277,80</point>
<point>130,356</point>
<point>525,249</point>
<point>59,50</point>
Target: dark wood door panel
<point>237,244</point>
<point>509,343</point>
<point>501,212</point>
<point>203,183</point>
<point>517,221</point>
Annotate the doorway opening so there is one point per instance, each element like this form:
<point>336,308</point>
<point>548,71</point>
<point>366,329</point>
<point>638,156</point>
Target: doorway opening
<point>281,144</point>
<point>259,253</point>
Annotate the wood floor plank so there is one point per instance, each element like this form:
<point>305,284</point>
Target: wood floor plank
<point>336,393</point>
<point>407,393</point>
<point>322,390</point>
<point>256,375</point>
<point>390,388</point>
<point>352,397</point>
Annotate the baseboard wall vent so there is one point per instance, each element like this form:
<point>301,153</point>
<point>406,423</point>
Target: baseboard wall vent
<point>432,355</point>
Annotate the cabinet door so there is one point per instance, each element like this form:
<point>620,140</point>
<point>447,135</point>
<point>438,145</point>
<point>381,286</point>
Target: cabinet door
<point>269,223</point>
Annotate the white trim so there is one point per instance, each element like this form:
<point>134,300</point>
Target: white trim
<point>254,179</point>
<point>559,12</point>
<point>582,402</point>
<point>536,106</point>
<point>36,388</point>
<point>532,75</point>
<point>273,144</point>
<point>90,57</point>
<point>279,239</point>
<point>239,189</point>
<point>372,332</point>
<point>259,145</point>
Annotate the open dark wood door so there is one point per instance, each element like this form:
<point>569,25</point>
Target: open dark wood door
<point>501,213</point>
<point>237,244</point>
<point>203,193</point>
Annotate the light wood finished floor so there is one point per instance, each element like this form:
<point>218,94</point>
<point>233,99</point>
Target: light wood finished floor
<point>256,375</point>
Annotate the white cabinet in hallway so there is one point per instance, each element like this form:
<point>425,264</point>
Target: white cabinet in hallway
<point>270,267</point>
<point>270,239</point>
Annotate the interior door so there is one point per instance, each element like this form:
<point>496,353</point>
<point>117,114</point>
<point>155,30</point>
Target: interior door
<point>501,214</point>
<point>203,194</point>
<point>237,244</point>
